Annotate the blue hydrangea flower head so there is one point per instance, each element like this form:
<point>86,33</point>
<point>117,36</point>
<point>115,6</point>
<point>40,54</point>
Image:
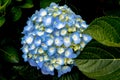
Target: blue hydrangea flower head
<point>53,37</point>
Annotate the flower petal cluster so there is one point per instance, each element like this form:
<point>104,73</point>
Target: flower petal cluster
<point>53,37</point>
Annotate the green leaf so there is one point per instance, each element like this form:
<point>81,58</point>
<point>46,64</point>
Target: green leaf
<point>16,13</point>
<point>27,4</point>
<point>10,54</point>
<point>2,21</point>
<point>100,69</point>
<point>44,3</point>
<point>4,4</point>
<point>96,50</point>
<point>105,30</point>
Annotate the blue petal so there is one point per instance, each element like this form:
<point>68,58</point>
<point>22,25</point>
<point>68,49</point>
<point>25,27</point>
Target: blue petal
<point>24,56</point>
<point>25,49</point>
<point>29,39</point>
<point>44,71</point>
<point>32,62</point>
<point>46,58</point>
<point>78,52</point>
<point>59,25</point>
<point>76,37</point>
<point>84,25</point>
<point>37,41</point>
<point>29,23</point>
<point>40,64</point>
<point>42,12</point>
<point>47,21</point>
<point>69,53</point>
<point>34,51</point>
<point>56,33</point>
<point>27,28</point>
<point>60,60</point>
<point>51,51</point>
<point>58,41</point>
<point>49,30</point>
<point>39,19</point>
<point>53,5</point>
<point>32,47</point>
<point>44,46</point>
<point>60,50</point>
<point>63,32</point>
<point>34,17</point>
<point>78,25</point>
<point>64,70</point>
<point>50,68</point>
<point>49,41</point>
<point>87,38</point>
<point>57,66</point>
<point>67,41</point>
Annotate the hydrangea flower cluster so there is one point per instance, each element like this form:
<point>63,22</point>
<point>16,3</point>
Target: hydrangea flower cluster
<point>53,38</point>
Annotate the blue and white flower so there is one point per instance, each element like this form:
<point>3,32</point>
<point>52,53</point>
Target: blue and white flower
<point>53,38</point>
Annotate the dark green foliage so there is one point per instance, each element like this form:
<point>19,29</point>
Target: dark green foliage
<point>10,54</point>
<point>96,50</point>
<point>100,59</point>
<point>2,20</point>
<point>100,69</point>
<point>105,30</point>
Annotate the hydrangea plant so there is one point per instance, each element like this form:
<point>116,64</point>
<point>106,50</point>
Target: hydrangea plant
<point>53,38</point>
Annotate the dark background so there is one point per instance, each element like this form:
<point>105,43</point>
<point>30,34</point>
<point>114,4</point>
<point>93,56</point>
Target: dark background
<point>10,35</point>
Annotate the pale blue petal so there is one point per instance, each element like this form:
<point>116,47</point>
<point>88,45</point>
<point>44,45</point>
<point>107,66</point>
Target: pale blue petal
<point>57,66</point>
<point>56,33</point>
<point>42,12</point>
<point>51,51</point>
<point>64,70</point>
<point>47,21</point>
<point>39,19</point>
<point>60,50</point>
<point>49,30</point>
<point>37,41</point>
<point>69,53</point>
<point>63,32</point>
<point>76,37</point>
<point>84,25</point>
<point>24,56</point>
<point>25,49</point>
<point>59,25</point>
<point>29,39</point>
<point>53,5</point>
<point>87,38</point>
<point>67,41</point>
<point>34,17</point>
<point>50,67</point>
<point>46,58</point>
<point>44,46</point>
<point>49,41</point>
<point>60,61</point>
<point>39,33</point>
<point>27,28</point>
<point>58,41</point>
